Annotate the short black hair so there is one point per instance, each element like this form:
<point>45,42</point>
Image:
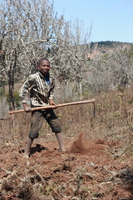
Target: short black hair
<point>38,63</point>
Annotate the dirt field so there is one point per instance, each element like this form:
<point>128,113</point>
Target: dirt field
<point>98,163</point>
<point>88,170</point>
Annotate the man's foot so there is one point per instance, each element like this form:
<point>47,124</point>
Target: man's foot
<point>63,150</point>
<point>26,155</point>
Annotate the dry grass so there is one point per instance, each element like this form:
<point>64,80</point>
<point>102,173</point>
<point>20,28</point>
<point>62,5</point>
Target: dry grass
<point>113,120</point>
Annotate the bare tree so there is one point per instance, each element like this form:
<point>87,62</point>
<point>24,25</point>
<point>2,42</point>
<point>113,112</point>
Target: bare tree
<point>74,48</point>
<point>26,30</point>
<point>110,71</point>
<point>31,29</point>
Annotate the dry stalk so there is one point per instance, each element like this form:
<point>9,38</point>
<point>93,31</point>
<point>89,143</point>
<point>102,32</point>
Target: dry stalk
<point>50,187</point>
<point>129,118</point>
<point>41,177</point>
<point>78,183</point>
<point>121,101</point>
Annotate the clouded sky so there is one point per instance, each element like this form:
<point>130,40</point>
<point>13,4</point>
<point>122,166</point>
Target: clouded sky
<point>110,19</point>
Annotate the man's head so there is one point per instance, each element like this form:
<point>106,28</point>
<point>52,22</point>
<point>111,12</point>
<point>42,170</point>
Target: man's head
<point>43,66</point>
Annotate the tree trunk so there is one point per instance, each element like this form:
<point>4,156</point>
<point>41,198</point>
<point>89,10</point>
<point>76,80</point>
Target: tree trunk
<point>80,90</point>
<point>11,90</point>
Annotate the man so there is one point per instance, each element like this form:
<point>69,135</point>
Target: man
<point>40,87</point>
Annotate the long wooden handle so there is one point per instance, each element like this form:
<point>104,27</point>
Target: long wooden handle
<point>57,106</point>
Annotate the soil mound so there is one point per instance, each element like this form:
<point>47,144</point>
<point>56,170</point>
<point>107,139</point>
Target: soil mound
<point>83,147</point>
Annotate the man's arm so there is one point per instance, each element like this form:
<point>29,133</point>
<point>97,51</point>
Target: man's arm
<point>51,95</point>
<point>24,92</point>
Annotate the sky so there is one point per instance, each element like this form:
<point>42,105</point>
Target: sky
<point>110,19</point>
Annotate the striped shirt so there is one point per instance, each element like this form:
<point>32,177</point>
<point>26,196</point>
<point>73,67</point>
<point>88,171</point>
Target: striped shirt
<point>38,89</point>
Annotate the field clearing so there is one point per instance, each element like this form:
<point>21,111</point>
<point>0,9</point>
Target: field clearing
<point>98,162</point>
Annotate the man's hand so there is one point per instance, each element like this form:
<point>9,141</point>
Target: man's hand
<point>51,102</point>
<point>26,108</point>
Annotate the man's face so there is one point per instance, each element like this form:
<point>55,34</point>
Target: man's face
<point>44,67</point>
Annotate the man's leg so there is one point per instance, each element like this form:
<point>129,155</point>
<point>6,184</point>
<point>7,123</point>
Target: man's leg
<point>60,141</point>
<point>36,123</point>
<point>28,146</point>
<point>54,123</point>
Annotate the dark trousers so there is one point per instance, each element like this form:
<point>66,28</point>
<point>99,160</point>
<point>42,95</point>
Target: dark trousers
<point>37,118</point>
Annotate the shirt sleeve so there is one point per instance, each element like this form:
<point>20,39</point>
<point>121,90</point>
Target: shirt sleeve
<point>25,89</point>
<point>51,96</point>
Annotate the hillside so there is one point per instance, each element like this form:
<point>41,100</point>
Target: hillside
<point>105,47</point>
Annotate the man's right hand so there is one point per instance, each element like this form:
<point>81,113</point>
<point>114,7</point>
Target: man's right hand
<point>26,108</point>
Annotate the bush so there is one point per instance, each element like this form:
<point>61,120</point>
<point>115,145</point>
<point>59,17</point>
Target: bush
<point>16,98</point>
<point>2,91</point>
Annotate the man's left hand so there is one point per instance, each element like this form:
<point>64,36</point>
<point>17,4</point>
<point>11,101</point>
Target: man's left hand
<point>52,103</point>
